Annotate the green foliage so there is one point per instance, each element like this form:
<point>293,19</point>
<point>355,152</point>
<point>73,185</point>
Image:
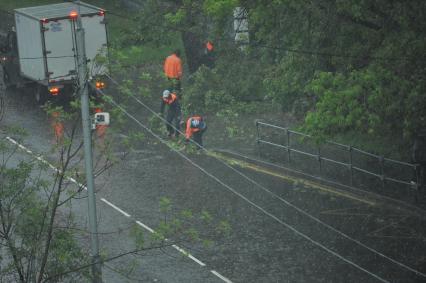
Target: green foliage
<point>350,65</point>
<point>205,216</point>
<point>132,139</point>
<point>65,253</point>
<point>12,4</point>
<point>184,226</point>
<point>363,101</point>
<point>285,82</point>
<point>165,205</point>
<point>27,234</point>
<point>187,214</point>
<point>176,18</point>
<point>219,9</point>
<point>156,124</point>
<point>229,85</point>
<point>224,228</point>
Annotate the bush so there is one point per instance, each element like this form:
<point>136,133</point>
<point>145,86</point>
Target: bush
<point>226,86</point>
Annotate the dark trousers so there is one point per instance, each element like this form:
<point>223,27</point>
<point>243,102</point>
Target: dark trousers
<point>173,120</point>
<point>198,137</point>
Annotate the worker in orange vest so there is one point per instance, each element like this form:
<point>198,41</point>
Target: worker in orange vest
<point>173,113</point>
<point>195,128</point>
<point>58,127</point>
<point>101,129</point>
<point>209,46</point>
<point>173,70</point>
<point>209,54</point>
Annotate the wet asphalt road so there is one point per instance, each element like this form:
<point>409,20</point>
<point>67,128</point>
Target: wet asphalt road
<point>269,241</point>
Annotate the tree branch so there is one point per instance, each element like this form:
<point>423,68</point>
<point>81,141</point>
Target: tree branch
<point>102,261</point>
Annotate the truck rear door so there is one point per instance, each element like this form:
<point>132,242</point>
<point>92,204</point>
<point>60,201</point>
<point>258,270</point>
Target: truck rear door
<point>59,49</point>
<point>95,41</point>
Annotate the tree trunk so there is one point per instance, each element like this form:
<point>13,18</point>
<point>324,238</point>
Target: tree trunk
<point>193,50</point>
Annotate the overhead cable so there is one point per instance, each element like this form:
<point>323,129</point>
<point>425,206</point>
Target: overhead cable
<point>110,100</point>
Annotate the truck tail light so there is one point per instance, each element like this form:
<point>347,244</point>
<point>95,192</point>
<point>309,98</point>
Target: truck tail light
<point>100,85</point>
<point>73,15</point>
<point>44,21</point>
<point>101,13</point>
<point>54,91</point>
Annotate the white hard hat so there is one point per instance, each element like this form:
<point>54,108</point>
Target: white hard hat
<point>166,93</point>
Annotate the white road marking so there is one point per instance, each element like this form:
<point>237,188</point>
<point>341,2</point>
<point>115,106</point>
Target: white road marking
<point>221,276</point>
<point>189,255</point>
<point>144,226</point>
<point>115,207</point>
<point>118,209</point>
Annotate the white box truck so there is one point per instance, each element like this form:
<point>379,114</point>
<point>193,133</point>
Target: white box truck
<point>46,46</point>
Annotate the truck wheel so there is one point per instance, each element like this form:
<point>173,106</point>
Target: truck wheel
<point>41,95</point>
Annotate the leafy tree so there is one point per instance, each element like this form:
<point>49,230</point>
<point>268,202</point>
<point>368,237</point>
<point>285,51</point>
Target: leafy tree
<point>39,237</point>
<point>360,60</point>
<point>35,244</point>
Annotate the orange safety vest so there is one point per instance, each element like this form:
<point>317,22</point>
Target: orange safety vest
<point>209,46</point>
<point>173,67</point>
<point>58,126</point>
<point>190,131</point>
<point>100,129</point>
<point>172,98</point>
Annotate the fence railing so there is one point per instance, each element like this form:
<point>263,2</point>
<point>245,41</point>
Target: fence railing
<point>337,162</point>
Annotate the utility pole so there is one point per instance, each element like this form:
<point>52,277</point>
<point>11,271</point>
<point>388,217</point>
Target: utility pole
<point>83,91</point>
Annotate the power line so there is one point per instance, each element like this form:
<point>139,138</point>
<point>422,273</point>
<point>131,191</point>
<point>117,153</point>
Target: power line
<point>291,50</point>
<point>278,197</point>
<point>109,99</point>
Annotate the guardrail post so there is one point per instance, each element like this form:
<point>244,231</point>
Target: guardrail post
<point>258,138</point>
<point>288,146</point>
<point>320,163</point>
<point>417,185</point>
<point>382,170</point>
<point>350,166</point>
<point>417,172</point>
<point>417,168</point>
<point>257,131</point>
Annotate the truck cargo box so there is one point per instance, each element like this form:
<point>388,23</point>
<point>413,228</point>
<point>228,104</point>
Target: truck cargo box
<point>46,41</point>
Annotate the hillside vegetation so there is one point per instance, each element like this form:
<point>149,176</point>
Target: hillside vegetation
<point>348,70</point>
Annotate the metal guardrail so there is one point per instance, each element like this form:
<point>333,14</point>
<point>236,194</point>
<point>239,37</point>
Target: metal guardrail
<point>349,167</point>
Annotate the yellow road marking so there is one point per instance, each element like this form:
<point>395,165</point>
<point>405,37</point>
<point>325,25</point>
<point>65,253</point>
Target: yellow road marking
<point>244,164</point>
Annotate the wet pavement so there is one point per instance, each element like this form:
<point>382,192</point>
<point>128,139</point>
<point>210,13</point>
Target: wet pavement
<point>345,238</point>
